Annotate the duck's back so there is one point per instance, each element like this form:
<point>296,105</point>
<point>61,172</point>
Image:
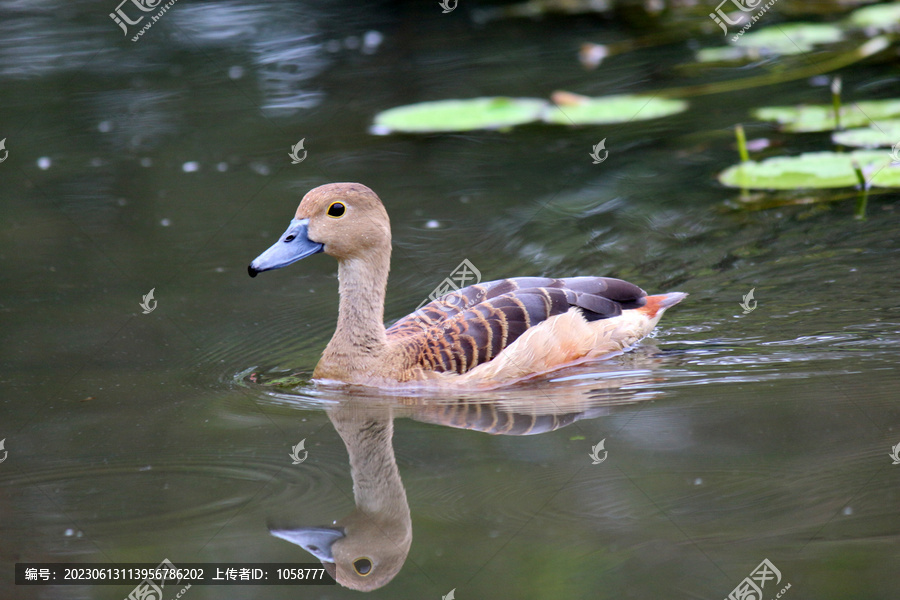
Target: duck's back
<point>473,325</point>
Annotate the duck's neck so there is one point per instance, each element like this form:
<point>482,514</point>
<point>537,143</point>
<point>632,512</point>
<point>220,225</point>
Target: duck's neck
<point>377,488</point>
<point>359,338</point>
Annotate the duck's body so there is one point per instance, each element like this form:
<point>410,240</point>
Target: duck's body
<point>485,335</point>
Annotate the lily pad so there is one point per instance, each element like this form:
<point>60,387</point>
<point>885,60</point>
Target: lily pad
<point>813,170</point>
<point>820,117</point>
<point>880,17</point>
<point>882,134</point>
<point>782,40</point>
<point>572,109</point>
<point>459,115</point>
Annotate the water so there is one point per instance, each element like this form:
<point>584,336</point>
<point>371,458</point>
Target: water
<point>730,438</point>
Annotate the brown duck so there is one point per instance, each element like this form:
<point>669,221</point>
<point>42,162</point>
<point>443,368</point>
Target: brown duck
<point>482,336</point>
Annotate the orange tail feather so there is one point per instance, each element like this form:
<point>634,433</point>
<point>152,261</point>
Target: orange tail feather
<point>656,305</point>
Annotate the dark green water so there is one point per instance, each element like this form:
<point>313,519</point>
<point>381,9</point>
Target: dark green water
<point>131,437</point>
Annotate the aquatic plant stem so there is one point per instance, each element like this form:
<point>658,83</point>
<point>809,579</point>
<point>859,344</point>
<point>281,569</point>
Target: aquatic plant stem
<point>836,101</point>
<point>863,198</point>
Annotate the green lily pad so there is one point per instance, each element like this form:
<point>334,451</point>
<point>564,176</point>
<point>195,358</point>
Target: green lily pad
<point>572,109</point>
<point>813,170</point>
<point>820,117</point>
<point>880,17</point>
<point>459,115</point>
<point>790,38</point>
<point>882,134</point>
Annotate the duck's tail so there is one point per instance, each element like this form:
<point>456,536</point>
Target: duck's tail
<point>657,305</point>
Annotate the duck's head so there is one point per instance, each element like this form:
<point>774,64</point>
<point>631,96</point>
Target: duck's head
<point>359,552</point>
<point>344,220</point>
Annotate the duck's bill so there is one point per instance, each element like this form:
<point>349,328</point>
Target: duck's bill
<point>293,245</point>
<point>315,540</point>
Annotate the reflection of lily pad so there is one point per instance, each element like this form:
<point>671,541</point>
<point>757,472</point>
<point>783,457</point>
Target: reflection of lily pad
<point>882,134</point>
<point>459,115</point>
<point>572,109</point>
<point>881,17</point>
<point>820,117</point>
<point>790,38</point>
<point>813,170</point>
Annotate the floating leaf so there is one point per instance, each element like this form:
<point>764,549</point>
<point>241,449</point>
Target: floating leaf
<point>820,117</point>
<point>882,134</point>
<point>880,17</point>
<point>789,38</point>
<point>813,170</point>
<point>572,109</point>
<point>459,115</point>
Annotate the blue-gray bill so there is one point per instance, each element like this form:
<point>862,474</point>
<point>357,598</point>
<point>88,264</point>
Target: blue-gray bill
<point>315,540</point>
<point>293,245</point>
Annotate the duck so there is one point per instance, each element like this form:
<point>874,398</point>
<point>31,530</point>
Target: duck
<point>483,336</point>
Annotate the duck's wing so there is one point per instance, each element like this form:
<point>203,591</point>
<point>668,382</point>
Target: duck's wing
<point>472,325</point>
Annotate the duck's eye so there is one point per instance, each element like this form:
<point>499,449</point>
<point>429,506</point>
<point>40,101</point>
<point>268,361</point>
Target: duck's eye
<point>363,566</point>
<point>290,238</point>
<point>336,210</point>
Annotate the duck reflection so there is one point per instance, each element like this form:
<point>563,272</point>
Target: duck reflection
<point>366,549</point>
